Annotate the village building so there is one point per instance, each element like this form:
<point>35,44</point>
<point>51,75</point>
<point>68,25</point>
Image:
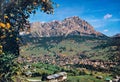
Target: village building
<point>108,80</point>
<point>57,77</point>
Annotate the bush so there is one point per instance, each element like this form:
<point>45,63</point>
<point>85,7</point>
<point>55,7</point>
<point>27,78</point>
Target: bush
<point>8,67</point>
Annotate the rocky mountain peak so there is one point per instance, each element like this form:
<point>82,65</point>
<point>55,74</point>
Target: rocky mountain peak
<point>69,26</point>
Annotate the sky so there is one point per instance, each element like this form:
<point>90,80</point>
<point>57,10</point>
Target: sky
<point>103,15</point>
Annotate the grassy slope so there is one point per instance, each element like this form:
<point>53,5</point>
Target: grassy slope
<point>93,48</point>
<point>69,46</point>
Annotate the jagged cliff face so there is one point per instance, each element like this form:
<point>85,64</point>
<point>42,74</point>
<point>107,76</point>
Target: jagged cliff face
<point>69,26</point>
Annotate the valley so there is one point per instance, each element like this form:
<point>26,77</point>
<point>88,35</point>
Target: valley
<point>71,46</point>
<point>77,55</point>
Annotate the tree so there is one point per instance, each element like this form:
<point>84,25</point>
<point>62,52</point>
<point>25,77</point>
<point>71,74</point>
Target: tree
<point>14,16</point>
<point>115,48</point>
<point>8,67</point>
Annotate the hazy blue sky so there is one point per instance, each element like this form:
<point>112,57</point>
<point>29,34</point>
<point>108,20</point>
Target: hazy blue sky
<point>103,15</point>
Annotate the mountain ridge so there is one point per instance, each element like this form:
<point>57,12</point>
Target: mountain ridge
<point>69,26</point>
<point>117,35</point>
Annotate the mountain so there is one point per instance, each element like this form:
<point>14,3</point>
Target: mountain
<point>69,26</point>
<point>70,49</point>
<point>117,35</point>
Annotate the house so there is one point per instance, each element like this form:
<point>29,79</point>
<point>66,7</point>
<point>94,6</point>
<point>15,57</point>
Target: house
<point>108,80</point>
<point>115,80</point>
<point>99,77</point>
<point>57,77</point>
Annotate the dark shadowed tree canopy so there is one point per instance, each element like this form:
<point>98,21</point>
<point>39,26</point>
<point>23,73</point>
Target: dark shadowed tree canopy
<point>13,18</point>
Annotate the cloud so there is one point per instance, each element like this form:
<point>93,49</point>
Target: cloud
<point>107,16</point>
<point>106,30</point>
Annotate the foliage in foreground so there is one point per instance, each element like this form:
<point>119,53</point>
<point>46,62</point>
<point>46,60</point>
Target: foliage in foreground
<point>39,70</point>
<point>8,67</point>
<point>14,16</point>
